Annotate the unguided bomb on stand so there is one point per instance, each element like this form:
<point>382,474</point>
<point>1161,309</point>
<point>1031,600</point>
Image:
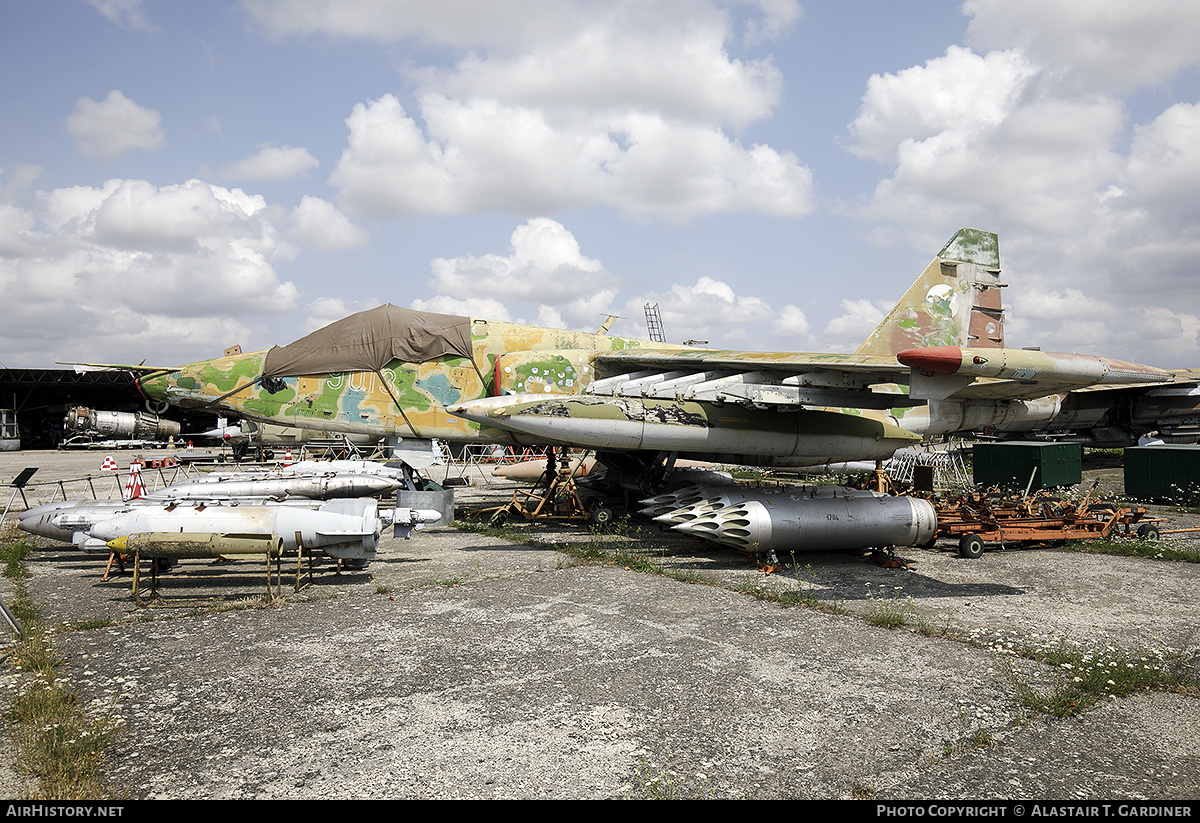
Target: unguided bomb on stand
<point>824,523</point>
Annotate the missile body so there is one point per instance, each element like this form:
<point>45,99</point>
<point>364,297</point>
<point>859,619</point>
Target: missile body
<point>341,528</point>
<point>86,523</point>
<point>179,546</point>
<point>727,432</point>
<point>316,487</point>
<point>404,520</point>
<point>307,468</point>
<point>1013,390</point>
<point>69,520</point>
<point>534,469</point>
<point>818,523</point>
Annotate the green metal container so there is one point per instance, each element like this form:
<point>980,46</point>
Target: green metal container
<point>1166,473</point>
<point>1014,464</point>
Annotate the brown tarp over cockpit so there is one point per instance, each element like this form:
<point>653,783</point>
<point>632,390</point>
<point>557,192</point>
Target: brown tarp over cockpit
<point>369,340</point>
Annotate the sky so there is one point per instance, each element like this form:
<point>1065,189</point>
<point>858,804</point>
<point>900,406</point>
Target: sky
<point>179,177</point>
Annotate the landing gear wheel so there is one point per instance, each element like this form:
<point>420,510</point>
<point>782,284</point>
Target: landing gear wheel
<point>1148,531</point>
<point>602,517</point>
<point>970,545</point>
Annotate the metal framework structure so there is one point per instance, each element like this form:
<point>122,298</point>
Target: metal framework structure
<point>654,326</point>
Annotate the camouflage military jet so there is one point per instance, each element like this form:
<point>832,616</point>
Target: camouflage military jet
<point>401,373</point>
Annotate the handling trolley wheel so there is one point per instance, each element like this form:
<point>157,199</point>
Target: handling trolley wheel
<point>970,545</point>
<point>602,516</point>
<point>1148,531</point>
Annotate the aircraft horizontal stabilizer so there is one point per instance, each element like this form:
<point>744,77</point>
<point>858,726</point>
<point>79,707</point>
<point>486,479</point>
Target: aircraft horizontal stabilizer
<point>950,372</point>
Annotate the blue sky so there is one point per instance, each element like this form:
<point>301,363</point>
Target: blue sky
<point>178,177</point>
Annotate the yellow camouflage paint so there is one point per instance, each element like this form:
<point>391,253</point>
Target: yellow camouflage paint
<point>404,399</point>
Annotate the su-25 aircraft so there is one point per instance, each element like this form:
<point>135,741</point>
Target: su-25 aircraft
<point>936,364</point>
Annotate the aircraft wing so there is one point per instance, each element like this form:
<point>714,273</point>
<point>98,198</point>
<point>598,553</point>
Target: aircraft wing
<point>140,367</point>
<point>785,379</point>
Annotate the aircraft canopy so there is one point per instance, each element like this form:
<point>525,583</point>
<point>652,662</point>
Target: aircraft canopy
<point>369,340</point>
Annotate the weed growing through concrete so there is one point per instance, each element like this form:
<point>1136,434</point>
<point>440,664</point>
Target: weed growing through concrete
<point>98,623</point>
<point>53,740</point>
<point>1139,547</point>
<point>1089,677</point>
<point>974,738</point>
<point>13,555</point>
<point>661,782</point>
<point>50,737</point>
<point>862,790</point>
<point>890,610</point>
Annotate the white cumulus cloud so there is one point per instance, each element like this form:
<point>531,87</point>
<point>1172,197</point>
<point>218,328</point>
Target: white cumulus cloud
<point>544,264</point>
<point>613,104</point>
<point>319,224</point>
<point>140,271</point>
<point>1108,46</point>
<point>273,164</point>
<point>114,126</point>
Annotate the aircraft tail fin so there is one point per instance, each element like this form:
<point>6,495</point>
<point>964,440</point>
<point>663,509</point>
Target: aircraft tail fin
<point>954,302</point>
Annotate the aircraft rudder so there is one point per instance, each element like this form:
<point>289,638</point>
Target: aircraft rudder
<point>973,246</point>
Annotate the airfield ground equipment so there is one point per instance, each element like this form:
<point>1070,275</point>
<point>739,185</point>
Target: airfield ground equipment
<point>981,518</point>
<point>555,497</point>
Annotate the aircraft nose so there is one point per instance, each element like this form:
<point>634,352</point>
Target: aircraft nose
<point>153,387</point>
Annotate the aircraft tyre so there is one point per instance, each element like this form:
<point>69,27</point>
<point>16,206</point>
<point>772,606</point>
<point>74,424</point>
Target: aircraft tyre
<point>971,546</point>
<point>602,517</point>
<point>1148,531</point>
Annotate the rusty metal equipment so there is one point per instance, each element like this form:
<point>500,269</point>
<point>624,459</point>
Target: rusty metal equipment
<point>555,497</point>
<point>991,517</point>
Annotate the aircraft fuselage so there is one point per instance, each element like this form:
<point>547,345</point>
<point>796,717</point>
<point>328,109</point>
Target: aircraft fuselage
<point>403,399</point>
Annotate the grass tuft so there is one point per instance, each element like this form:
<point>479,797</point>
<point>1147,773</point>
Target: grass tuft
<point>1136,547</point>
<point>890,612</point>
<point>1091,677</point>
<point>52,741</point>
